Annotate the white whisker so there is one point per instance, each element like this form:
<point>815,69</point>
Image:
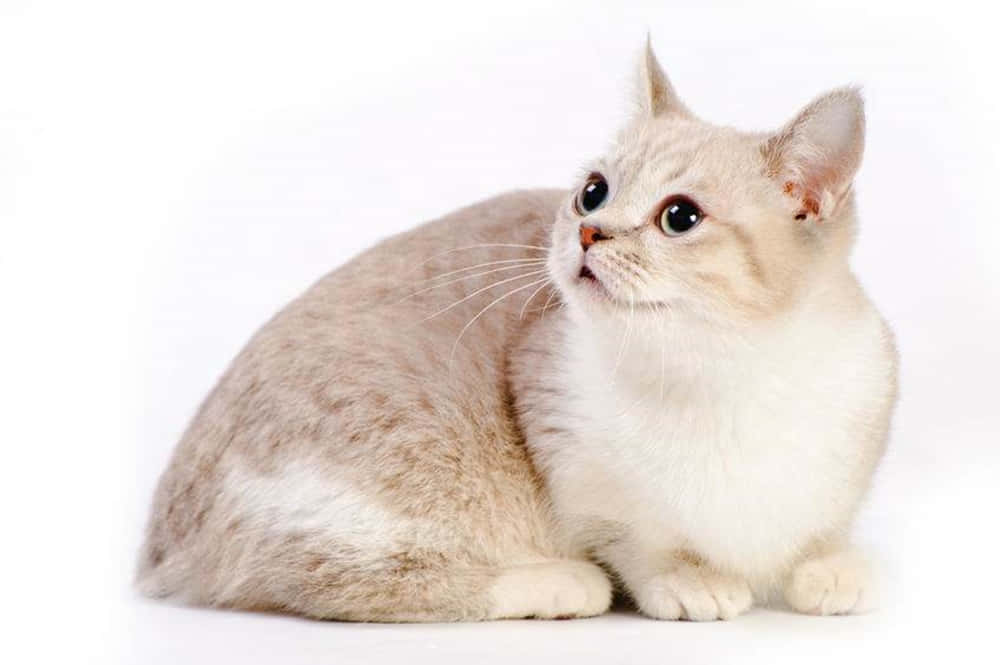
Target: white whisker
<point>464,277</point>
<point>663,355</point>
<point>482,246</point>
<point>545,307</point>
<point>535,293</point>
<point>483,265</point>
<point>454,346</point>
<point>476,293</point>
<point>621,348</point>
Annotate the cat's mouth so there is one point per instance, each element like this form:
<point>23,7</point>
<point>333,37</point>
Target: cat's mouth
<point>590,281</point>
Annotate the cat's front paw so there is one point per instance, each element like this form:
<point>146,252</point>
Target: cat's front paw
<point>839,583</point>
<point>695,593</point>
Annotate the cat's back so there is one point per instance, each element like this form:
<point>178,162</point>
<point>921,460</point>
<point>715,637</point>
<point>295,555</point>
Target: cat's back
<point>364,379</point>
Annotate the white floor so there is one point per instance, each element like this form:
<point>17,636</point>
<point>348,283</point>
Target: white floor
<point>191,636</point>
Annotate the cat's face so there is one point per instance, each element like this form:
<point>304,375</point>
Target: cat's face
<point>684,215</point>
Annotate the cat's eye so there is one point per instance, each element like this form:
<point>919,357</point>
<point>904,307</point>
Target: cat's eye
<point>593,194</point>
<point>680,215</point>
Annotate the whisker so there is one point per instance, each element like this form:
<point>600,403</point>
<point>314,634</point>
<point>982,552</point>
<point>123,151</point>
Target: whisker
<point>454,346</point>
<point>663,355</point>
<point>536,292</point>
<point>545,307</point>
<point>483,265</point>
<point>621,348</point>
<point>464,277</point>
<point>476,293</point>
<point>483,246</point>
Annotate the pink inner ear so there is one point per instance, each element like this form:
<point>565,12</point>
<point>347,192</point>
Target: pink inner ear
<point>816,155</point>
<point>809,202</point>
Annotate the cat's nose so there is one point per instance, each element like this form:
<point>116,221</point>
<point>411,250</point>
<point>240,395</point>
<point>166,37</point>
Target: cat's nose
<point>589,235</point>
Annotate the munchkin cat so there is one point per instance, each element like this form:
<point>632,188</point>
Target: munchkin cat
<point>666,380</point>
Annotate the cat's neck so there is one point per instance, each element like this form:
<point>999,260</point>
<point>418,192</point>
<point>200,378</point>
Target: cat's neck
<point>643,344</point>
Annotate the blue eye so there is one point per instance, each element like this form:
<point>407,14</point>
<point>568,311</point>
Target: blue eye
<point>593,194</point>
<point>680,215</point>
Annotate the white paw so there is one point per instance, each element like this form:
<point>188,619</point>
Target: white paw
<point>694,593</point>
<point>838,583</point>
<point>550,590</point>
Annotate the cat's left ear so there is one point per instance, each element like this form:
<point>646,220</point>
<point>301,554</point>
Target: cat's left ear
<point>815,156</point>
<point>655,95</point>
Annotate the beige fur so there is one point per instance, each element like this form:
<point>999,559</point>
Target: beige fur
<point>455,426</point>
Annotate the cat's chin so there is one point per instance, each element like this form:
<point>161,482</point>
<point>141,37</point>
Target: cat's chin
<point>592,290</point>
<point>597,298</point>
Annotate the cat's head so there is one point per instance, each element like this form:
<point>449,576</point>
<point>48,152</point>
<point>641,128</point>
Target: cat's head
<point>683,215</point>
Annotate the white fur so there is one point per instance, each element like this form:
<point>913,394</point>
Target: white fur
<point>550,589</point>
<point>695,593</point>
<point>723,395</point>
<point>302,498</point>
<point>841,583</point>
<point>745,480</point>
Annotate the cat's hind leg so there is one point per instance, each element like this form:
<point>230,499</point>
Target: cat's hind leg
<point>360,575</point>
<point>326,580</point>
<point>545,590</point>
<point>425,591</point>
<point>425,587</point>
<point>559,588</point>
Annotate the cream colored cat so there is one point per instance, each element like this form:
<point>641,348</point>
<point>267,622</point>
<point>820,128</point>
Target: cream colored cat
<point>669,371</point>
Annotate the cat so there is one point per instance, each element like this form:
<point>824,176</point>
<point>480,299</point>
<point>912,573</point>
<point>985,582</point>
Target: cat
<point>666,381</point>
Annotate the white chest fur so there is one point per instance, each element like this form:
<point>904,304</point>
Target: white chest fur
<point>741,452</point>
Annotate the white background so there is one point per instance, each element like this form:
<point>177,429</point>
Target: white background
<point>172,173</point>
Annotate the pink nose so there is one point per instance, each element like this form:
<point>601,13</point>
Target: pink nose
<point>589,235</point>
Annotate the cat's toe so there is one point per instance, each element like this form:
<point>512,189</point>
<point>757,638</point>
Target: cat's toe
<point>733,596</point>
<point>695,594</point>
<point>834,584</point>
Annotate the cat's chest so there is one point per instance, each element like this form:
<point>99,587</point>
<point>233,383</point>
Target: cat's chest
<point>739,470</point>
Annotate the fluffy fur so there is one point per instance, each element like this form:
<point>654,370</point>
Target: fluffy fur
<point>457,426</point>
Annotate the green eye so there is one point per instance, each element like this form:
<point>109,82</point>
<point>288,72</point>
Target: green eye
<point>680,215</point>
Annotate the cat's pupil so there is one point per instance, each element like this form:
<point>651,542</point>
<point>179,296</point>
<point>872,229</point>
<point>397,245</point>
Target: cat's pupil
<point>682,215</point>
<point>593,195</point>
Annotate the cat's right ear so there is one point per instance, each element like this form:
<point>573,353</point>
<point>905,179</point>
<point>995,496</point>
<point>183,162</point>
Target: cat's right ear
<point>815,156</point>
<point>655,95</point>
